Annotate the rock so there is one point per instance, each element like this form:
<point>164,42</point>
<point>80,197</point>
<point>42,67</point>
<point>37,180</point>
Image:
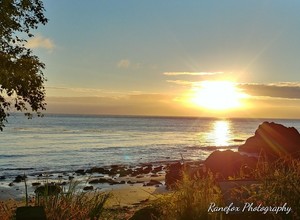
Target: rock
<point>62,183</point>
<point>130,182</point>
<point>125,172</point>
<point>20,178</point>
<point>101,180</point>
<point>86,188</point>
<point>94,181</point>
<point>173,174</point>
<point>147,169</point>
<point>80,172</point>
<point>2,178</point>
<point>36,184</point>
<point>10,184</point>
<point>48,189</point>
<point>273,140</point>
<point>157,169</point>
<point>122,182</point>
<point>228,163</point>
<point>71,177</point>
<point>98,170</point>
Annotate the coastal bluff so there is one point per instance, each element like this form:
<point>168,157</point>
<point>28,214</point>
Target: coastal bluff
<point>273,140</point>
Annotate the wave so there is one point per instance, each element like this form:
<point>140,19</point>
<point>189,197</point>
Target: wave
<point>212,148</point>
<point>13,155</point>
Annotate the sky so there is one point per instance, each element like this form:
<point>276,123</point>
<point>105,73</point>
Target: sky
<point>151,57</point>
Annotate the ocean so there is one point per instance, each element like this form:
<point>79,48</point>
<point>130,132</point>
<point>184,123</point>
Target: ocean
<point>65,143</point>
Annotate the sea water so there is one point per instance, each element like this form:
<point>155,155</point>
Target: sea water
<point>58,143</point>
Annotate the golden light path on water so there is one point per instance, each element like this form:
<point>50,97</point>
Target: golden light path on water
<point>221,132</point>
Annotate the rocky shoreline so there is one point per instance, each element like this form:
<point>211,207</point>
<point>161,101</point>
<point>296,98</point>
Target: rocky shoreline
<point>92,179</point>
<point>271,140</point>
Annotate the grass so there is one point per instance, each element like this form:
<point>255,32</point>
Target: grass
<point>70,204</point>
<point>279,184</point>
<point>190,200</point>
<point>67,204</point>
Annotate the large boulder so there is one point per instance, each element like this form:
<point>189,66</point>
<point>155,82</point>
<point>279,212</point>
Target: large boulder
<point>228,163</point>
<point>273,140</point>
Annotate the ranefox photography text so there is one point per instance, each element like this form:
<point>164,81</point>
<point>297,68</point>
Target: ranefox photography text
<point>149,110</point>
<point>250,207</point>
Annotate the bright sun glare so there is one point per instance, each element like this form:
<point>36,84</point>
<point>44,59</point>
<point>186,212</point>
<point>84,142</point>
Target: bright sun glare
<point>217,95</point>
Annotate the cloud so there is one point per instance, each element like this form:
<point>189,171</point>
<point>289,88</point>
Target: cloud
<point>181,82</point>
<point>40,42</point>
<point>192,73</point>
<point>286,90</point>
<point>124,64</point>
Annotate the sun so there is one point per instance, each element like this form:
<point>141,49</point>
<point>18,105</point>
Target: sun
<point>217,95</point>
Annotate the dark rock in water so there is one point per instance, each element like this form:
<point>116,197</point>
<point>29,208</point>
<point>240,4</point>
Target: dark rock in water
<point>86,188</point>
<point>10,184</point>
<point>80,172</point>
<point>98,170</point>
<point>62,183</point>
<point>94,181</point>
<point>157,169</point>
<point>228,163</point>
<point>273,140</point>
<point>2,178</point>
<point>101,180</point>
<point>48,189</point>
<point>147,169</point>
<point>174,174</point>
<point>122,182</point>
<point>130,182</point>
<point>20,178</point>
<point>36,184</point>
<point>71,177</point>
<point>238,140</point>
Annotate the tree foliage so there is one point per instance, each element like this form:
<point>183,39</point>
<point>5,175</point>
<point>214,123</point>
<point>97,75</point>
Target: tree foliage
<point>21,72</point>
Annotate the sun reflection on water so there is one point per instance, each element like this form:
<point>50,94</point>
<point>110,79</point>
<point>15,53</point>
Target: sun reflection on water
<point>221,132</point>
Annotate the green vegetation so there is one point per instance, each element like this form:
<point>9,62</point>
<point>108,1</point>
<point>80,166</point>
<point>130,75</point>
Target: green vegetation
<point>279,184</point>
<point>73,205</point>
<point>190,200</point>
<point>69,204</point>
<point>21,72</point>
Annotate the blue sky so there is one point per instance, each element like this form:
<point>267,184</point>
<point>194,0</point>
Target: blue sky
<point>118,50</point>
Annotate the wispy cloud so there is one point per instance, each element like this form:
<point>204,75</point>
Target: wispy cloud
<point>192,73</point>
<point>181,82</point>
<point>287,90</point>
<point>128,64</point>
<point>123,64</point>
<point>40,42</point>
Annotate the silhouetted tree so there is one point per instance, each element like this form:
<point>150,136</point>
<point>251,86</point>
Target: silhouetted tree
<point>21,76</point>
